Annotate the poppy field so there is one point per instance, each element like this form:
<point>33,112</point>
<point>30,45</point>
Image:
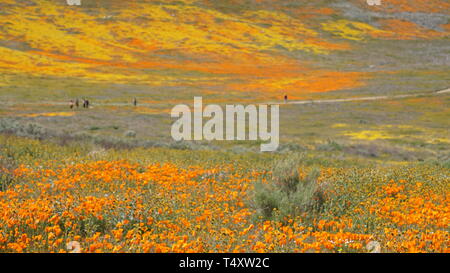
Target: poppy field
<point>109,205</point>
<point>363,162</point>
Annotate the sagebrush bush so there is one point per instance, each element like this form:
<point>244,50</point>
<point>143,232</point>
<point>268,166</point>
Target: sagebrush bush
<point>127,142</point>
<point>30,130</point>
<point>330,145</point>
<point>287,194</point>
<point>7,166</point>
<point>130,134</point>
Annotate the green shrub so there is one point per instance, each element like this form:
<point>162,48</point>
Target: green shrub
<point>330,145</point>
<point>287,194</point>
<point>130,134</point>
<point>7,166</point>
<point>30,130</point>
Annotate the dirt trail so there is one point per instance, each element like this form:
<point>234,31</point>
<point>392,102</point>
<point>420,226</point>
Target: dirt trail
<point>367,98</point>
<point>443,91</point>
<point>372,98</point>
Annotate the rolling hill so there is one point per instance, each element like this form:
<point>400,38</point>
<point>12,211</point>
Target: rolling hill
<point>258,49</point>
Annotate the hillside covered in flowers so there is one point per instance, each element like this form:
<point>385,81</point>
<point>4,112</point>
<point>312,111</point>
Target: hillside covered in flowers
<point>53,198</point>
<point>363,163</point>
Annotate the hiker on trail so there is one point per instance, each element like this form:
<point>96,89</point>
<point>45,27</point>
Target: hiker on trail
<point>135,102</point>
<point>71,104</point>
<point>85,103</point>
<point>285,98</point>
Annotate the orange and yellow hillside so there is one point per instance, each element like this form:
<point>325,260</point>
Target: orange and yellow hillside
<point>235,46</point>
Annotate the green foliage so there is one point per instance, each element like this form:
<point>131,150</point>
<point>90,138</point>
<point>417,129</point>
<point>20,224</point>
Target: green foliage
<point>31,130</point>
<point>7,166</point>
<point>330,146</point>
<point>287,194</point>
<point>130,134</point>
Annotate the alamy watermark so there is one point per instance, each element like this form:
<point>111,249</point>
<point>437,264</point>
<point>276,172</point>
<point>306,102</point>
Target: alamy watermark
<point>373,2</point>
<point>229,125</point>
<point>73,2</point>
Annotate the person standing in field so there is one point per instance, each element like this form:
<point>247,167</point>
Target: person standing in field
<point>77,103</point>
<point>85,103</point>
<point>285,99</point>
<point>135,102</point>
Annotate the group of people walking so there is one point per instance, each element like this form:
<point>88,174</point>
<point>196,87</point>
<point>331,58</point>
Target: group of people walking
<point>86,103</point>
<point>76,103</point>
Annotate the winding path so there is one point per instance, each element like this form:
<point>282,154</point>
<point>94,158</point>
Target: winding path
<point>367,98</point>
<point>372,98</point>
